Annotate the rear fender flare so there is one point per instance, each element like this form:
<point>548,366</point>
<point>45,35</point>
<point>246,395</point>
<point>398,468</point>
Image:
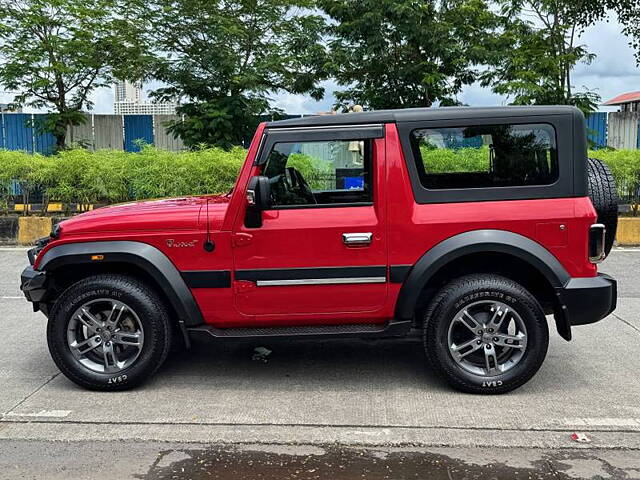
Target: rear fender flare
<point>142,255</point>
<point>476,241</point>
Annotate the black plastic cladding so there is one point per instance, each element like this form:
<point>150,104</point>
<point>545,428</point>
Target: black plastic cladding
<point>476,241</point>
<point>143,255</point>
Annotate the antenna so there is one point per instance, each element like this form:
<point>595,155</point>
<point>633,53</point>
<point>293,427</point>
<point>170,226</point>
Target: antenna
<point>209,246</point>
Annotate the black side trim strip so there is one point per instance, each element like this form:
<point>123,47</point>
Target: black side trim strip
<point>399,272</point>
<point>207,278</point>
<point>308,273</point>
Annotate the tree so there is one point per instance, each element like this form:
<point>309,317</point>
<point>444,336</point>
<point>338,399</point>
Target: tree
<point>628,11</point>
<point>222,60</point>
<point>539,48</point>
<point>54,53</point>
<point>406,53</point>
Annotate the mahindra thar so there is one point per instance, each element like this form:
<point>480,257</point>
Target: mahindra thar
<point>470,225</point>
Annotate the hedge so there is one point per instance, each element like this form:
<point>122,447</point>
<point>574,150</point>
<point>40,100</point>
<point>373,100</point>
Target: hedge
<point>106,176</point>
<point>111,176</point>
<point>624,164</point>
<point>625,167</point>
<point>449,160</point>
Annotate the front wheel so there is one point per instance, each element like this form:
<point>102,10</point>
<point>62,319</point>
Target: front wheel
<point>485,334</point>
<point>108,332</point>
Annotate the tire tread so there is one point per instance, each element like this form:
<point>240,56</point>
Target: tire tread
<point>603,194</point>
<point>468,284</point>
<point>131,285</point>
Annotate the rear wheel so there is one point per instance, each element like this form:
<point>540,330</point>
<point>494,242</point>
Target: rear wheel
<point>485,334</point>
<point>108,332</point>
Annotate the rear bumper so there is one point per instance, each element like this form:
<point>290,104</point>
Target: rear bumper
<point>586,300</point>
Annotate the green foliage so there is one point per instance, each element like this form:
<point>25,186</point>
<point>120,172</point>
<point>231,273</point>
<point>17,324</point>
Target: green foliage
<point>449,160</point>
<point>397,54</point>
<point>536,53</point>
<point>317,172</point>
<point>106,176</point>
<point>625,166</point>
<point>56,52</point>
<point>21,168</point>
<point>627,11</point>
<point>221,122</point>
<point>222,60</point>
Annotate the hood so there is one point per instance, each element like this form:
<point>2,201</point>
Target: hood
<point>169,214</point>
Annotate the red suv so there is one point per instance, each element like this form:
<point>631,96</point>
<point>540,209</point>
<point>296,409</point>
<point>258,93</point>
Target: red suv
<point>468,224</point>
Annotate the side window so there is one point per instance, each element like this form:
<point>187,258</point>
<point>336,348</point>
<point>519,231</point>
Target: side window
<point>485,156</point>
<point>320,173</point>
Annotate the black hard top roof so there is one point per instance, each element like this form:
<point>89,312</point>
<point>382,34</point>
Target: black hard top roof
<point>418,114</point>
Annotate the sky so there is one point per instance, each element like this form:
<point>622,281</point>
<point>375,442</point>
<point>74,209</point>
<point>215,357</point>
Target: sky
<point>614,71</point>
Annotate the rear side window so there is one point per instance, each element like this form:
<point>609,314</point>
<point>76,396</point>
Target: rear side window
<point>485,156</point>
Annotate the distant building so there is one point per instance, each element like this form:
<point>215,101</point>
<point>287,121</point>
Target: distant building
<point>628,102</point>
<point>146,108</point>
<point>128,101</point>
<point>128,92</point>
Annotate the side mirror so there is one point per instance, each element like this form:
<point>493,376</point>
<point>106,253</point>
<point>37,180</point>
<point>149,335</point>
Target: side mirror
<point>258,199</point>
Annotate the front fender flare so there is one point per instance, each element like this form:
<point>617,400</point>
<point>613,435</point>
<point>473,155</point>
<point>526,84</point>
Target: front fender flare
<point>476,241</point>
<point>142,255</point>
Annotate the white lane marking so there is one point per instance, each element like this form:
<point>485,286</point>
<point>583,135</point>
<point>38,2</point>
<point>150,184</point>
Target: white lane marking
<point>626,250</point>
<point>603,422</point>
<point>41,414</point>
<point>9,298</point>
<point>14,249</point>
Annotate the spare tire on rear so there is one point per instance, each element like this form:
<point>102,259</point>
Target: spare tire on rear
<point>602,191</point>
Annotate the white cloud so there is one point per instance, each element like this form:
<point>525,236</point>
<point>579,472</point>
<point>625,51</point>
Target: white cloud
<point>477,96</point>
<point>102,99</point>
<point>614,71</point>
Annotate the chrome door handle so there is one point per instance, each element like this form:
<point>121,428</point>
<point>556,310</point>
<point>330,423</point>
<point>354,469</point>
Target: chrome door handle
<point>357,239</point>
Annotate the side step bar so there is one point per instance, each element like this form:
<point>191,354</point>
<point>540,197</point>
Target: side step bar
<point>391,329</point>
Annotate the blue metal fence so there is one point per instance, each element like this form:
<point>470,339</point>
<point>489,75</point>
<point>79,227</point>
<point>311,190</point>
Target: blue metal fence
<point>137,129</point>
<point>17,132</point>
<point>597,129</point>
<point>44,143</point>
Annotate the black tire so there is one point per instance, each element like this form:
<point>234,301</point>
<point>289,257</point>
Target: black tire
<point>151,313</point>
<point>472,290</point>
<point>604,196</point>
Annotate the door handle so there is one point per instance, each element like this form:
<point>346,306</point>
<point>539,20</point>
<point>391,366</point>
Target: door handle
<point>357,239</point>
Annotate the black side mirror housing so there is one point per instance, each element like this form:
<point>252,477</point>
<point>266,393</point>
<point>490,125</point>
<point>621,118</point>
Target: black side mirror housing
<point>258,199</point>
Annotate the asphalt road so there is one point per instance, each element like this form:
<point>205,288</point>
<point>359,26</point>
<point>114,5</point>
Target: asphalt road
<point>375,394</point>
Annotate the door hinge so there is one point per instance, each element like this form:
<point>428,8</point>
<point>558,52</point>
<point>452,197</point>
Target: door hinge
<point>241,239</point>
<point>243,286</point>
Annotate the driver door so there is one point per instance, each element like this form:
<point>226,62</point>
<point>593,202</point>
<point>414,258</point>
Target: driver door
<point>320,255</point>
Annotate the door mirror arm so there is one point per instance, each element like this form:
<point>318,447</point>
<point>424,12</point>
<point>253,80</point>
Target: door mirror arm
<point>258,199</point>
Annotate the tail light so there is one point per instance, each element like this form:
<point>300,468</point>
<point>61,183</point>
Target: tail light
<point>596,243</point>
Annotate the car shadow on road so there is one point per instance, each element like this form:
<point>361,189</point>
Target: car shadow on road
<point>321,363</point>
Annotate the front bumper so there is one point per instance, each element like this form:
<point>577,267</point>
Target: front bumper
<point>33,284</point>
<point>585,300</point>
